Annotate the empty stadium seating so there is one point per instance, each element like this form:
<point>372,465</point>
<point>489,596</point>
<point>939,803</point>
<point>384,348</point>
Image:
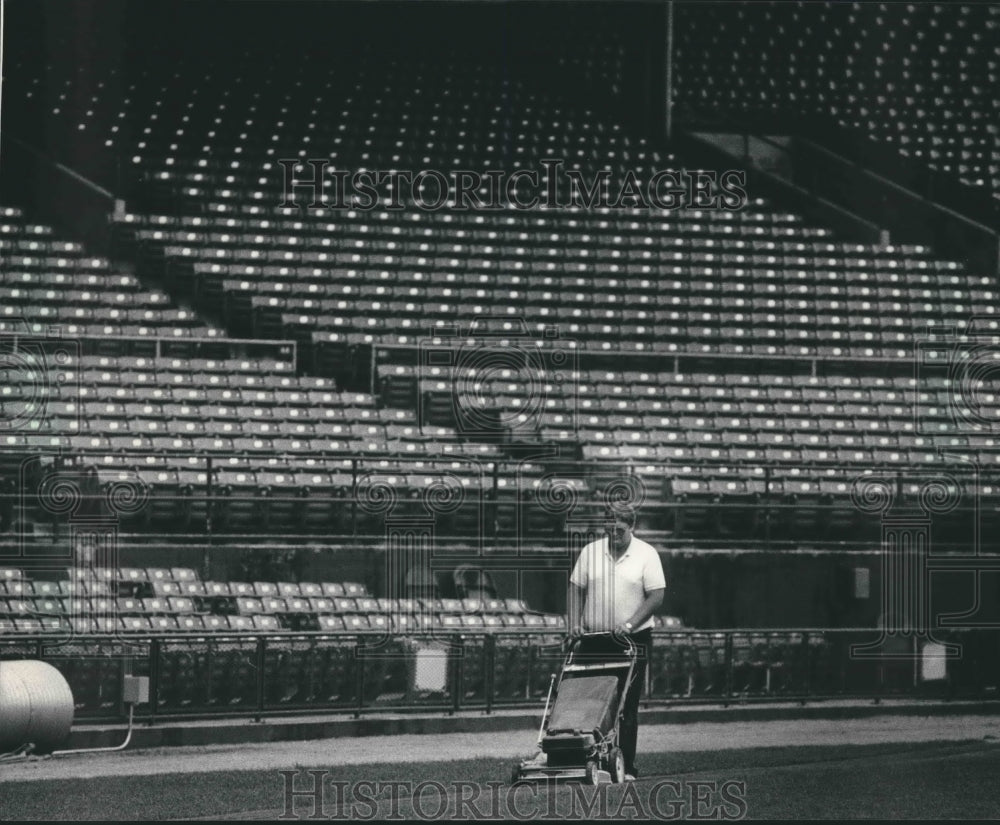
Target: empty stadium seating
<point>746,367</point>
<point>171,601</point>
<point>237,443</point>
<point>917,80</point>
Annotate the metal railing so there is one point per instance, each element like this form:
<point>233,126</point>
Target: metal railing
<point>77,341</point>
<point>73,202</point>
<point>770,504</point>
<point>444,671</point>
<point>858,199</point>
<point>800,357</point>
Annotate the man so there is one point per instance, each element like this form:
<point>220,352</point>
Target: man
<point>616,586</point>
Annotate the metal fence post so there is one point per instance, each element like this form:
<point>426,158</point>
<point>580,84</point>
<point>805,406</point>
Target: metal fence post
<point>490,654</point>
<point>806,681</point>
<point>767,508</point>
<point>211,649</point>
<point>260,655</point>
<point>354,497</point>
<point>880,688</point>
<point>729,664</point>
<point>154,677</point>
<point>457,653</point>
<point>359,679</point>
<point>495,506</point>
<point>209,506</point>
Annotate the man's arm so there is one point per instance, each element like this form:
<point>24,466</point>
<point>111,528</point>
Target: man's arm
<point>577,595</point>
<point>652,603</point>
<point>654,586</point>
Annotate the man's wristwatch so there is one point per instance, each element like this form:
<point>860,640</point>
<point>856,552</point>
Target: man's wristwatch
<point>628,626</point>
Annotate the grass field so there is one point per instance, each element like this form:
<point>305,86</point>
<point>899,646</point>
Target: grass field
<point>924,780</point>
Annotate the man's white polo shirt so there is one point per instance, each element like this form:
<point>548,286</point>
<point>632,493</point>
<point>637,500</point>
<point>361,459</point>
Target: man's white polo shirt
<point>616,587</point>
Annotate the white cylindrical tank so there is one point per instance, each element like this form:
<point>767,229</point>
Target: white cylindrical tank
<point>36,706</point>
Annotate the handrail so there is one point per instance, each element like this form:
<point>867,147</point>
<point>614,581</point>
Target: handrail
<point>49,334</point>
<point>828,204</point>
<point>541,547</point>
<point>859,149</point>
<point>727,122</point>
<point>100,190</point>
<point>198,636</point>
<point>816,170</point>
<point>893,184</point>
<point>441,461</point>
<point>790,182</point>
<point>814,363</point>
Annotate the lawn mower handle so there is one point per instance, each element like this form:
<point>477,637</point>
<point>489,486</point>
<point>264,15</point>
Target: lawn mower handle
<point>573,641</point>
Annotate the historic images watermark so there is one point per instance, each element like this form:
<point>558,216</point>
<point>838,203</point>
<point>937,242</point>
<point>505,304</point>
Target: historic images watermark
<point>930,515</point>
<point>538,368</point>
<point>62,511</point>
<point>39,383</point>
<point>469,497</point>
<point>477,520</point>
<point>315,794</point>
<point>310,183</point>
<point>958,379</point>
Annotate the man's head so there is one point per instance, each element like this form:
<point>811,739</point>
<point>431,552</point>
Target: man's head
<point>622,519</point>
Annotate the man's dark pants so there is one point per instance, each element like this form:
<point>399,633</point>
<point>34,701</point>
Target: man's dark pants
<point>608,647</point>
